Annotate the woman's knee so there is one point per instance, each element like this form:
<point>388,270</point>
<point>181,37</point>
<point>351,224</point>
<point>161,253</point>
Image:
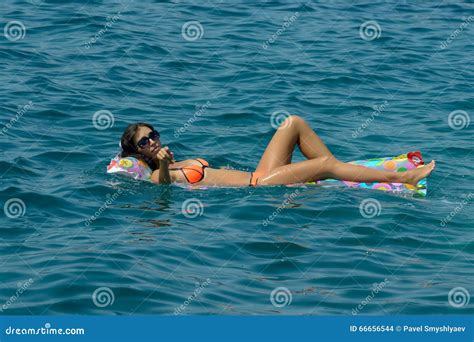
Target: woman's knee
<point>293,120</point>
<point>262,178</point>
<point>327,163</point>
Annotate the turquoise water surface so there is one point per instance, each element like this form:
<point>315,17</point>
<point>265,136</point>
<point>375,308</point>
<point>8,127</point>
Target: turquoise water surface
<point>373,79</point>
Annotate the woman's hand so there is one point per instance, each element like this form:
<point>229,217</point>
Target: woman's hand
<point>165,156</point>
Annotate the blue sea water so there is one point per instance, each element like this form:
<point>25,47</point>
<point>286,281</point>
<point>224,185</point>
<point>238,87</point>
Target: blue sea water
<point>209,76</point>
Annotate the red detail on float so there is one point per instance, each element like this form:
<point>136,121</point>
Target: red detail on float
<point>415,158</point>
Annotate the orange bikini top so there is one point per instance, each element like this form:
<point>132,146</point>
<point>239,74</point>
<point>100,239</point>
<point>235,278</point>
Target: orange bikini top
<point>194,173</point>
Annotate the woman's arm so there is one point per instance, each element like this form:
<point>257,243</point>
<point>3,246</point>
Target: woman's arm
<point>162,175</point>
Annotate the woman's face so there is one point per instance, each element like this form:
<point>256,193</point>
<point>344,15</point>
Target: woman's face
<point>153,146</point>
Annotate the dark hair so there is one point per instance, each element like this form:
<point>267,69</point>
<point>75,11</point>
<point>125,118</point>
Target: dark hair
<point>129,148</point>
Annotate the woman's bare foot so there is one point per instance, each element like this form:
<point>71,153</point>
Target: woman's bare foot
<point>414,176</point>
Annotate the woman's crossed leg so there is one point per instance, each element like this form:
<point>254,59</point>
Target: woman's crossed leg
<point>275,165</point>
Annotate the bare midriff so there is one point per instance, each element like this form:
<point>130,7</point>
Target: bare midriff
<point>225,177</point>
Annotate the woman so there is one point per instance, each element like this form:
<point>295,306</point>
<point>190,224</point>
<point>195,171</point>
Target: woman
<point>275,167</point>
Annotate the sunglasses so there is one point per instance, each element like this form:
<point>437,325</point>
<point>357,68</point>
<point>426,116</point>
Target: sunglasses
<point>153,135</point>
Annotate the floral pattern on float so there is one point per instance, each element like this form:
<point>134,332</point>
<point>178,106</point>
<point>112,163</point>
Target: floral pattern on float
<point>130,167</point>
